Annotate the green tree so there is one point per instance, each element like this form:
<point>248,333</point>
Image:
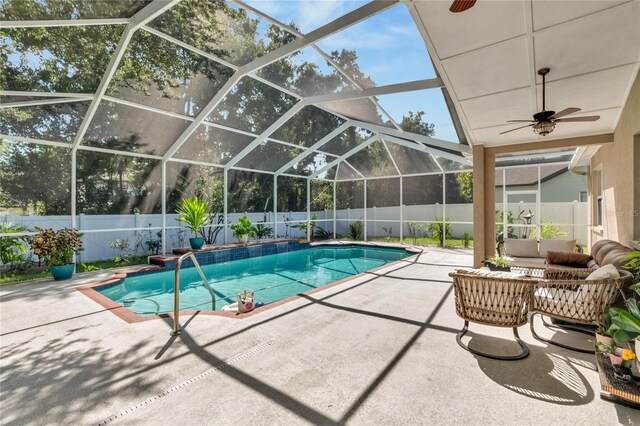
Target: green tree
<point>465,183</point>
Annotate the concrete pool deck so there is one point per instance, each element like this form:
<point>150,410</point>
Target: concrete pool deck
<point>379,349</point>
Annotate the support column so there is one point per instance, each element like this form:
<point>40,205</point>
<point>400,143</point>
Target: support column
<point>163,191</point>
<point>401,209</point>
<point>484,201</point>
<point>334,209</point>
<point>225,197</point>
<point>308,210</point>
<point>444,210</point>
<point>275,205</point>
<point>365,210</point>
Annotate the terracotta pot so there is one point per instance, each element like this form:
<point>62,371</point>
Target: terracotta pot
<point>605,339</point>
<point>615,359</point>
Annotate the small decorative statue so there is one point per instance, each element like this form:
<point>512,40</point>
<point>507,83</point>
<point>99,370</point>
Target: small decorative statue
<point>244,304</point>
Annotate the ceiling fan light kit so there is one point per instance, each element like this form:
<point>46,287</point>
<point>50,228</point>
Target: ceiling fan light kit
<point>544,122</point>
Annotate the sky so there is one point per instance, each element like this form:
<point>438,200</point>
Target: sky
<point>389,46</point>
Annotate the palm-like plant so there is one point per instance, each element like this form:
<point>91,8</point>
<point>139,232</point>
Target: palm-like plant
<point>194,212</point>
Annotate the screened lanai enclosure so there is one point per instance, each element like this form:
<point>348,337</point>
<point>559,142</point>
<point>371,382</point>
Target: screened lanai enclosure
<point>113,111</point>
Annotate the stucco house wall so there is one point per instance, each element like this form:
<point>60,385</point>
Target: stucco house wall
<point>619,163</point>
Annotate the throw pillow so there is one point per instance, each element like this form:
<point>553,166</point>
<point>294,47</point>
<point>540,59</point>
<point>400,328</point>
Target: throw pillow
<point>521,248</point>
<point>604,273</point>
<point>556,245</point>
<point>568,258</point>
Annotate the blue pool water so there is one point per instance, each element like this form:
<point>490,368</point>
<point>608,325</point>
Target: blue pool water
<point>272,277</point>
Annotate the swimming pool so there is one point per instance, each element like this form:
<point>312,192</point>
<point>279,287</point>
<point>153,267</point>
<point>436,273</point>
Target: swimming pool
<point>272,277</point>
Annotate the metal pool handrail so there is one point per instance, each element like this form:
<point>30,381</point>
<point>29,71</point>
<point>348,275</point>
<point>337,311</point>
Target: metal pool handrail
<point>176,291</point>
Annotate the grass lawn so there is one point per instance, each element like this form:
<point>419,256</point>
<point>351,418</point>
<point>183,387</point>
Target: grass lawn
<point>18,276</point>
<point>423,241</point>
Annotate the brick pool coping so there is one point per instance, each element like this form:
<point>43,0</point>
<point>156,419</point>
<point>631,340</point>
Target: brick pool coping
<point>90,290</point>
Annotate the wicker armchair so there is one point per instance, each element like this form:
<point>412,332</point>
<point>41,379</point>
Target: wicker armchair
<point>499,302</point>
<point>564,294</point>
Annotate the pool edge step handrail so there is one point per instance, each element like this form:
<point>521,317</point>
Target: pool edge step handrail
<point>176,290</point>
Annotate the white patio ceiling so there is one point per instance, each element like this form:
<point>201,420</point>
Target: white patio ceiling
<point>488,57</point>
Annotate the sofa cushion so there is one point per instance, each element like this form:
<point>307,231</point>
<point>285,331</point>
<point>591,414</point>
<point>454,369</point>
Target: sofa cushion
<point>603,248</point>
<point>501,275</point>
<point>568,258</point>
<point>525,262</point>
<point>616,257</point>
<point>556,245</point>
<point>521,248</point>
<point>604,273</point>
<point>592,265</point>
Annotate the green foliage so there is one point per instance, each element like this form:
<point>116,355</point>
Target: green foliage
<point>261,231</point>
<point>388,231</point>
<point>440,230</point>
<point>500,221</point>
<point>12,248</point>
<point>322,234</point>
<point>632,263</point>
<point>56,248</point>
<point>415,230</point>
<point>496,261</point>
<point>465,183</point>
<point>194,212</point>
<point>148,243</point>
<point>626,321</point>
<point>549,231</point>
<point>303,226</point>
<point>414,123</point>
<point>466,240</point>
<point>243,227</point>
<point>356,230</point>
<point>122,245</point>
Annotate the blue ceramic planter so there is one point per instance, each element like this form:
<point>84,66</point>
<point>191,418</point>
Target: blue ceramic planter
<point>196,243</point>
<point>62,272</point>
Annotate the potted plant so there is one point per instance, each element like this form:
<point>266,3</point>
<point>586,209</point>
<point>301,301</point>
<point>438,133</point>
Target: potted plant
<point>496,263</point>
<point>56,249</point>
<point>194,212</point>
<point>243,229</point>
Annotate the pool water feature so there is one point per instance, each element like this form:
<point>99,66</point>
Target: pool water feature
<point>272,277</point>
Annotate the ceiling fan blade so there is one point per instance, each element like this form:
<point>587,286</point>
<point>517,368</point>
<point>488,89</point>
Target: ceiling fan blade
<point>521,121</point>
<point>564,112</point>
<point>576,119</point>
<point>517,128</point>
<point>461,5</point>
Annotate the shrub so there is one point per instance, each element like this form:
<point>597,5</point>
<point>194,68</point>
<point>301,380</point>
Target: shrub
<point>356,230</point>
<point>440,230</point>
<point>56,248</point>
<point>12,248</point>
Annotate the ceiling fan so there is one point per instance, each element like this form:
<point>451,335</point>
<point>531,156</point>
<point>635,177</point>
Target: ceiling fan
<point>461,5</point>
<point>545,121</point>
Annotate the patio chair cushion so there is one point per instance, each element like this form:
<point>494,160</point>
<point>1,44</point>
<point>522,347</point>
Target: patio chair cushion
<point>521,248</point>
<point>504,275</point>
<point>568,258</point>
<point>604,273</point>
<point>556,245</point>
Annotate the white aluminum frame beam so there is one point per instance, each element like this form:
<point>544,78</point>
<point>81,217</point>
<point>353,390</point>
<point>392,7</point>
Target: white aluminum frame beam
<point>264,135</point>
<point>51,101</point>
<point>63,22</point>
<point>347,154</point>
<point>425,149</point>
<point>146,14</point>
<point>322,53</point>
<point>314,147</point>
<point>318,34</point>
<point>437,143</point>
<point>410,86</point>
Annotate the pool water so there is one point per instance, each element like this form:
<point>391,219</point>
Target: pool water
<point>271,277</point>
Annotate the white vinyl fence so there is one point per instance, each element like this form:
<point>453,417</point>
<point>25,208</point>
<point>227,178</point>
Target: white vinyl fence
<point>99,230</point>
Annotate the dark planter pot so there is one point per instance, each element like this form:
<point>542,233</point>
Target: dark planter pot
<point>63,272</point>
<point>196,243</point>
<point>493,267</point>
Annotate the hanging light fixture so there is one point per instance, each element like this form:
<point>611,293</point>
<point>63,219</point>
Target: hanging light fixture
<point>543,128</point>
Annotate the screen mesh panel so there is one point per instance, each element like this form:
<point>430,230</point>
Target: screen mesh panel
<point>55,122</point>
<point>213,145</point>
